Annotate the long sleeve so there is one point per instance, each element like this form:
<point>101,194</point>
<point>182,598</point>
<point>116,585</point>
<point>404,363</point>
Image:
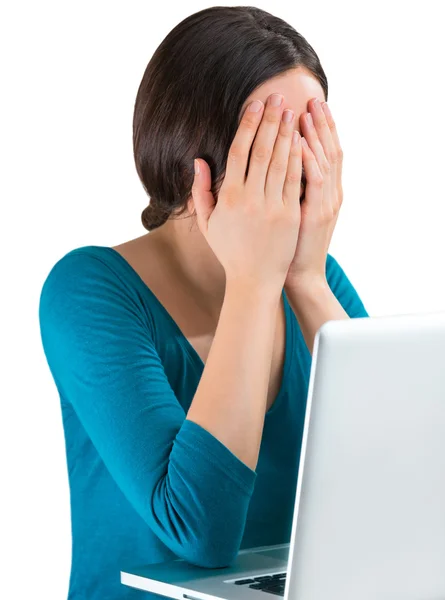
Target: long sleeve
<point>190,489</point>
<point>343,289</point>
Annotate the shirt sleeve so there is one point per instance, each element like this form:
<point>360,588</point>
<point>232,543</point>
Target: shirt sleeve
<point>343,289</point>
<point>190,489</point>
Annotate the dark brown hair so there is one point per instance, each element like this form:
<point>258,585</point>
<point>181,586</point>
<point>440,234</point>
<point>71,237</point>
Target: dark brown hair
<point>192,91</point>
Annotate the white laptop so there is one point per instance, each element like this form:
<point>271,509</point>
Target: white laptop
<point>369,518</point>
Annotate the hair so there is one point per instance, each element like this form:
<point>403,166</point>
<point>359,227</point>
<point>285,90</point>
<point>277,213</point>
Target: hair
<point>189,100</point>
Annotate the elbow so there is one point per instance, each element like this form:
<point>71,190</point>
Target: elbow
<point>211,543</point>
<point>205,542</point>
<point>213,554</point>
<point>205,532</point>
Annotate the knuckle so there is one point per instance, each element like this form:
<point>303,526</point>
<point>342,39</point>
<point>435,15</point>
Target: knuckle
<point>271,116</point>
<point>274,213</point>
<point>261,153</point>
<point>293,178</point>
<point>317,181</point>
<point>295,150</point>
<point>332,157</point>
<point>325,219</point>
<point>249,122</point>
<point>339,154</point>
<point>323,121</point>
<point>325,167</point>
<point>235,153</point>
<point>278,165</point>
<point>286,131</point>
<point>229,196</point>
<point>330,215</point>
<point>338,204</point>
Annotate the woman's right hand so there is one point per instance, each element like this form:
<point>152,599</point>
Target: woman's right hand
<point>253,228</point>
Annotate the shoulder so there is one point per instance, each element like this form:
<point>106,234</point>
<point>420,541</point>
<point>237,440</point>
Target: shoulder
<point>87,278</point>
<point>343,289</point>
<point>88,265</point>
<point>335,273</point>
<point>332,266</point>
<point>80,260</point>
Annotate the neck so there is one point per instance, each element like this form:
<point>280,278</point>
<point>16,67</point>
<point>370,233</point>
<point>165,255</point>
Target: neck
<point>193,262</point>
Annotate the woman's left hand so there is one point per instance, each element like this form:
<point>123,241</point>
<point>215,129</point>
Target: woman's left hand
<point>322,160</point>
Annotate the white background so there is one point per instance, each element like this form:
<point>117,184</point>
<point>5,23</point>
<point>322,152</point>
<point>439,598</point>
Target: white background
<point>69,77</point>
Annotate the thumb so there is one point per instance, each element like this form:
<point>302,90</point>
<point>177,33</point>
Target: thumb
<point>201,194</point>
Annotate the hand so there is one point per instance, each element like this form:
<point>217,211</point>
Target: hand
<point>322,159</point>
<point>253,228</point>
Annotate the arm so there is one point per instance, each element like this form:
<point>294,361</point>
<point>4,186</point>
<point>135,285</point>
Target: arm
<point>231,398</point>
<point>316,301</point>
<point>189,486</point>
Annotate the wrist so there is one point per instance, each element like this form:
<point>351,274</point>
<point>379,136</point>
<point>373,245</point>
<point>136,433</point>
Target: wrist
<point>255,291</point>
<point>307,285</point>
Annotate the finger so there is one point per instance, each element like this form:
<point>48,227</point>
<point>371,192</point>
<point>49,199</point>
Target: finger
<point>331,124</point>
<point>329,167</point>
<point>335,138</point>
<point>263,145</point>
<point>311,136</point>
<point>324,133</point>
<point>276,174</point>
<point>292,186</point>
<point>202,196</point>
<point>327,158</point>
<point>313,196</point>
<point>242,142</point>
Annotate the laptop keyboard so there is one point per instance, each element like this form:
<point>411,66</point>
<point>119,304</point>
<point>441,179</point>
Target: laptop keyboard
<point>274,584</point>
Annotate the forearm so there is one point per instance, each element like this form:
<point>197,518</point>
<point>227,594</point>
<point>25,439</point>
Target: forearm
<point>230,401</point>
<point>313,303</point>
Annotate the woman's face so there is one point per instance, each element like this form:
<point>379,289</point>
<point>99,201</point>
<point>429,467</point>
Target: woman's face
<point>298,86</point>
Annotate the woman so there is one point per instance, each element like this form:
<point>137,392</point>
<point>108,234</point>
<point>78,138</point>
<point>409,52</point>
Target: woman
<point>182,357</point>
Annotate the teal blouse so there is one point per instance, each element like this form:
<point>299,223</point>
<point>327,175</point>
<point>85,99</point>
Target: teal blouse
<point>147,485</point>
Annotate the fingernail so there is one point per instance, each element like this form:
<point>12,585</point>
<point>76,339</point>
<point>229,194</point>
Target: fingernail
<point>326,109</point>
<point>196,163</point>
<point>287,116</point>
<point>276,99</point>
<point>295,137</point>
<point>255,106</point>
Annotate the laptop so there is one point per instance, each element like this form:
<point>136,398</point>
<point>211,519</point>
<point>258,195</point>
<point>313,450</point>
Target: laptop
<point>369,517</point>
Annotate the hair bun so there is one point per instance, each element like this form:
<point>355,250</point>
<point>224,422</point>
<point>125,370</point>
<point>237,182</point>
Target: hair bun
<point>154,215</point>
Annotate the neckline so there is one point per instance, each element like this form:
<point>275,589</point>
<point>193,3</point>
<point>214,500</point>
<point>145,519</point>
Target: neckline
<point>289,333</point>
